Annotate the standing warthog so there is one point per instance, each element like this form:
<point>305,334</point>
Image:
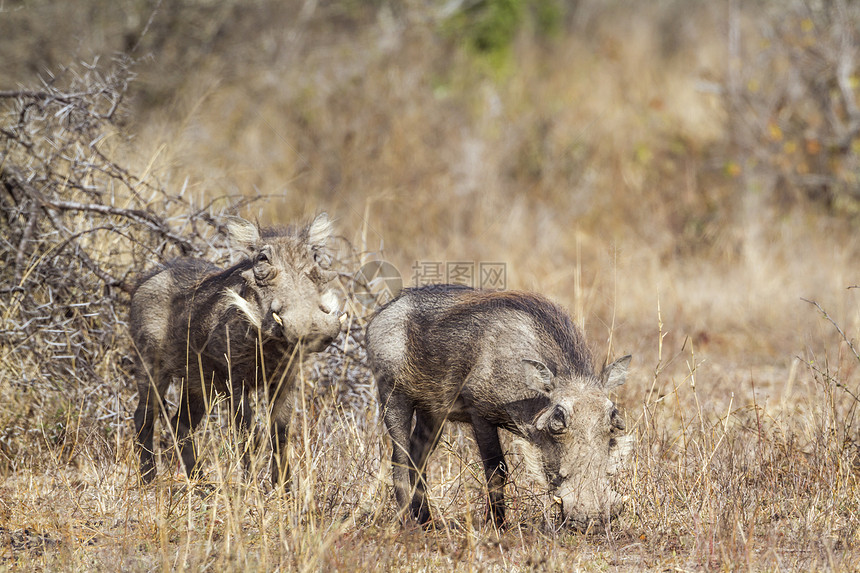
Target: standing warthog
<point>231,331</point>
<point>494,360</point>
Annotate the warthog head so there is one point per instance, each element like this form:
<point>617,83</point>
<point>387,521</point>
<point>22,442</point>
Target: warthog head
<point>286,296</point>
<point>577,441</point>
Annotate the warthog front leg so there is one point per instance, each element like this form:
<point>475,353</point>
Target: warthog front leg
<point>280,433</point>
<point>243,422</point>
<point>188,416</point>
<point>493,458</point>
<point>282,412</point>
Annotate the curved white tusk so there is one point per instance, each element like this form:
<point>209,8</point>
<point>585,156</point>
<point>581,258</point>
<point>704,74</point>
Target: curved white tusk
<point>277,318</point>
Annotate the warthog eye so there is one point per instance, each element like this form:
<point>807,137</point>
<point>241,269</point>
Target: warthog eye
<point>558,422</point>
<point>616,422</point>
<point>553,419</point>
<point>264,270</point>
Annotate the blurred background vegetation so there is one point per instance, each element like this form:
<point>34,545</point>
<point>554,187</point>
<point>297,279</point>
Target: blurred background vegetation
<point>670,121</point>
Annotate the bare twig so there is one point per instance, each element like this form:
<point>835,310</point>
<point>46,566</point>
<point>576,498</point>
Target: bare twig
<point>835,325</point>
<point>136,215</point>
<point>78,226</point>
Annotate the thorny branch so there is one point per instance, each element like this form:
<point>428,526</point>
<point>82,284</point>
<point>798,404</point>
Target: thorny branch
<point>77,227</point>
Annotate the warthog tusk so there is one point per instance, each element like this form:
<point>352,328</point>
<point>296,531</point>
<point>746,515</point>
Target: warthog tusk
<point>342,317</point>
<point>277,318</point>
<point>557,500</point>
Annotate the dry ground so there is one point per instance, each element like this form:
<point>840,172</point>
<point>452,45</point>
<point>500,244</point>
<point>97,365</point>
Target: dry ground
<point>601,164</point>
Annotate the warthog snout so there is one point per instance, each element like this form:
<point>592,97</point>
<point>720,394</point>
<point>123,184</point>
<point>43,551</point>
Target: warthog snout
<point>602,507</point>
<point>578,445</point>
<point>314,327</point>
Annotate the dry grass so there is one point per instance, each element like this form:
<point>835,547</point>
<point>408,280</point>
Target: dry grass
<point>600,166</point>
<point>725,475</point>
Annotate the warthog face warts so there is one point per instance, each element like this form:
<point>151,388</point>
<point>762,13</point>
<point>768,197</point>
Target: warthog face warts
<point>284,288</point>
<point>577,442</point>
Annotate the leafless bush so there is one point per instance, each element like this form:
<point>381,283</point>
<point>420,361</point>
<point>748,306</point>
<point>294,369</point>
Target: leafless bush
<point>77,226</point>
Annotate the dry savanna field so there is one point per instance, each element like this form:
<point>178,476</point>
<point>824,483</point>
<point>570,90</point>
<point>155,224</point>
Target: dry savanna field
<point>682,177</point>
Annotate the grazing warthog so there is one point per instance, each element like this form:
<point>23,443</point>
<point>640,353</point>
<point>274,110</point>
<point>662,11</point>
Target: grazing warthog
<point>231,331</point>
<point>494,360</point>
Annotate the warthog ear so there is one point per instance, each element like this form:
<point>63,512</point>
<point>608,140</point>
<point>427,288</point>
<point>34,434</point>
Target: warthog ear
<point>616,373</point>
<point>554,418</point>
<point>538,376</point>
<point>319,231</point>
<point>243,233</point>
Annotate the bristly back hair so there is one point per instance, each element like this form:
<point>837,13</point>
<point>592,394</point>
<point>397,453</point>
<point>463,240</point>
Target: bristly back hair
<point>548,316</point>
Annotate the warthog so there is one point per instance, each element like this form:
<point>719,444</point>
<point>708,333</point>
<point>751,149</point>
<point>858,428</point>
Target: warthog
<point>231,331</point>
<point>494,360</point>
